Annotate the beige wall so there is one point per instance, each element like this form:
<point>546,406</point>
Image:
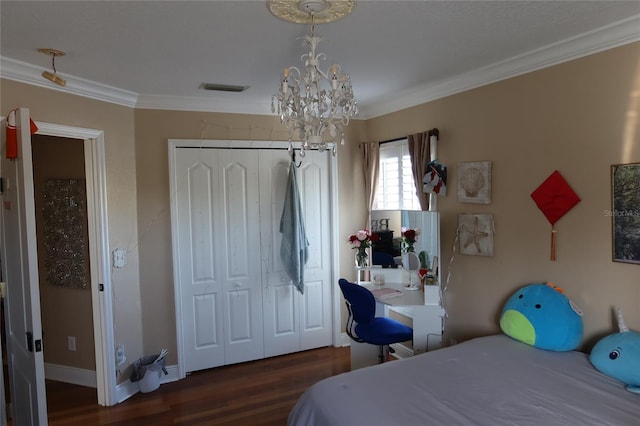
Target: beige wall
<point>578,118</point>
<point>117,122</point>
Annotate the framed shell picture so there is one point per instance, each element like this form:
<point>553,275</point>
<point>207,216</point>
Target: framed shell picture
<point>474,182</point>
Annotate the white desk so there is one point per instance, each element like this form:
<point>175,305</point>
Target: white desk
<point>427,323</point>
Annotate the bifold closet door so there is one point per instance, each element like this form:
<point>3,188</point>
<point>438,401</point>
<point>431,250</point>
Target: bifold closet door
<point>236,302</point>
<point>218,248</point>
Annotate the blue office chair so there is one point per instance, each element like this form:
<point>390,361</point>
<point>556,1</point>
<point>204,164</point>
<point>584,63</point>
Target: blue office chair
<point>362,324</point>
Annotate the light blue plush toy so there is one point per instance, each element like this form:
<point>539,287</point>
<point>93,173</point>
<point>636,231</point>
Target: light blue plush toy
<point>618,355</point>
<point>541,315</point>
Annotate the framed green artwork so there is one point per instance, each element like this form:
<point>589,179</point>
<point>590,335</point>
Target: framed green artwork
<point>625,212</point>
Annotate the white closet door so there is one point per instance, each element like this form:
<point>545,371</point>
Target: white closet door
<point>236,302</point>
<point>294,322</point>
<point>239,242</point>
<point>196,247</point>
<point>218,256</point>
<point>315,307</point>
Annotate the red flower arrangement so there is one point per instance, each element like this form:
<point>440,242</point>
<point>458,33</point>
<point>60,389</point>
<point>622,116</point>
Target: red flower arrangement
<point>409,237</point>
<point>361,241</point>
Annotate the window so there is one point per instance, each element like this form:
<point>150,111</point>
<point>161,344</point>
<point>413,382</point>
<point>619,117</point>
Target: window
<point>396,189</point>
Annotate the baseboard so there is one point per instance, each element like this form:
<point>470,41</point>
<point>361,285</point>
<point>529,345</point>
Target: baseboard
<point>127,389</point>
<point>171,376</point>
<point>73,375</point>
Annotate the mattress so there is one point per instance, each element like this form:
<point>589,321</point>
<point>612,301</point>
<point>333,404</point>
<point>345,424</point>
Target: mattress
<point>492,380</point>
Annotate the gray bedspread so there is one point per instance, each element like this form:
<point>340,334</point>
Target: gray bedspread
<point>491,380</point>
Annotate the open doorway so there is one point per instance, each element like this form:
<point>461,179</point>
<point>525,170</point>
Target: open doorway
<point>59,179</point>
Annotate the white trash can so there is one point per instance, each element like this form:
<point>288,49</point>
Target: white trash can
<point>151,379</point>
<point>147,371</point>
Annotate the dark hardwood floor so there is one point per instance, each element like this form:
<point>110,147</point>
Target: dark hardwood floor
<point>254,393</point>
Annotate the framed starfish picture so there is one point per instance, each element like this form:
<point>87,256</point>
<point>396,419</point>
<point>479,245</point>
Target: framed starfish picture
<point>476,234</point>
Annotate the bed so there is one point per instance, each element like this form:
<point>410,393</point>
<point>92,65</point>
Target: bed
<point>492,380</point>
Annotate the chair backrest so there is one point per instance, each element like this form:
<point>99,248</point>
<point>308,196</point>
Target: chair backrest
<point>363,304</point>
<point>381,258</point>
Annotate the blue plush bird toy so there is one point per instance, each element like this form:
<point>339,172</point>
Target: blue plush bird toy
<point>541,315</point>
<point>618,355</point>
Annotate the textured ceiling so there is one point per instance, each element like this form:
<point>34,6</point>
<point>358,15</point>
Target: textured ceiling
<point>398,53</point>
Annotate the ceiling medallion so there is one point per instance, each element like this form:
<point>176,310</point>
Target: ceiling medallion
<point>300,11</point>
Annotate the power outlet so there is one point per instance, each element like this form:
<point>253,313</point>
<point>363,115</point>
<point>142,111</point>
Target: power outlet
<point>119,258</point>
<point>71,343</point>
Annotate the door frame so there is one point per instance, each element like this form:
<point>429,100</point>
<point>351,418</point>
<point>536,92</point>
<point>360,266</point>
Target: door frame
<point>173,145</point>
<point>99,260</point>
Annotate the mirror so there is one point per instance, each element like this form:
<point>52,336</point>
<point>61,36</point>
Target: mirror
<point>388,225</point>
<point>413,262</point>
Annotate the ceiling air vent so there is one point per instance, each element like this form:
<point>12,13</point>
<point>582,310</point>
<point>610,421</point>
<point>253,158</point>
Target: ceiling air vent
<point>223,87</point>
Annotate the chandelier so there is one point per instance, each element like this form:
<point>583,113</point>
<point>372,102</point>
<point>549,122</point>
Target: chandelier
<point>313,103</point>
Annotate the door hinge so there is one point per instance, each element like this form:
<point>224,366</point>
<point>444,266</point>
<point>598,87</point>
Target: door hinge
<point>1,185</point>
<point>100,287</point>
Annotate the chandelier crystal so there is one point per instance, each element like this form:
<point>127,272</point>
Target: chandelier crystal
<point>314,103</point>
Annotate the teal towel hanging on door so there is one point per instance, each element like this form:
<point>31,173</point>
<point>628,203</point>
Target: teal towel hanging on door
<point>293,249</point>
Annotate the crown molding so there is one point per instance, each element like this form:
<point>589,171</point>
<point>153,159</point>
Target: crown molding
<point>24,72</point>
<point>187,103</point>
<point>614,35</point>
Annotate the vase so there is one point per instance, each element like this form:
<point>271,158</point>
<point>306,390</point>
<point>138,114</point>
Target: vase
<point>363,274</point>
<point>407,247</point>
<point>362,262</point>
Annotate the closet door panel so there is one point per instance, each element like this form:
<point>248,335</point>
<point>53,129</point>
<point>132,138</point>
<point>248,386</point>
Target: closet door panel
<point>311,194</point>
<point>236,194</point>
<point>240,239</point>
<point>284,310</point>
<point>200,294</point>
<point>310,312</point>
<point>281,300</point>
<point>205,321</point>
<point>315,306</point>
<point>240,316</point>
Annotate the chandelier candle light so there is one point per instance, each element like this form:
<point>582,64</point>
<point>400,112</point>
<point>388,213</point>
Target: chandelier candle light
<point>313,103</point>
